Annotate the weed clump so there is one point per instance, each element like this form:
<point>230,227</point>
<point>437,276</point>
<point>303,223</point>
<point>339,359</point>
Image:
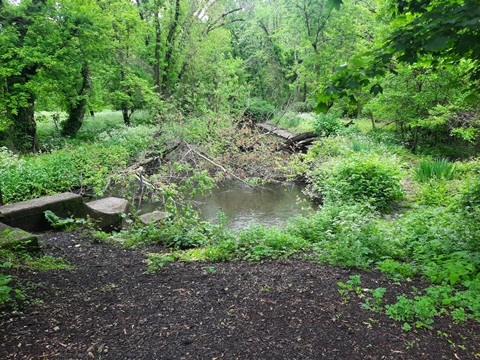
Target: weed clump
<point>434,169</point>
<point>327,125</point>
<point>358,179</point>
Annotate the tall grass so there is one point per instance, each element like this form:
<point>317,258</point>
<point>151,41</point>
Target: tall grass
<point>434,169</point>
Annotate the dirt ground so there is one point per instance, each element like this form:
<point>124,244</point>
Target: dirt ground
<point>108,308</point>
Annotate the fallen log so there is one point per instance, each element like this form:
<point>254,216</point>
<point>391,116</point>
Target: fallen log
<point>300,137</point>
<point>271,129</point>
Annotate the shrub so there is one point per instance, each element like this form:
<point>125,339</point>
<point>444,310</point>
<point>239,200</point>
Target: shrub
<point>470,199</point>
<point>259,110</point>
<point>427,233</point>
<point>359,179</point>
<point>347,235</point>
<point>327,125</point>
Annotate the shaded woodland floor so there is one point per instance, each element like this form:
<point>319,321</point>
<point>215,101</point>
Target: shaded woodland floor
<point>108,308</point>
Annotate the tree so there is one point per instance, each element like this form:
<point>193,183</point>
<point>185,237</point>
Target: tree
<point>165,19</point>
<point>434,33</point>
<point>23,32</point>
<point>448,30</point>
<point>127,78</point>
<point>49,49</point>
<point>313,15</point>
<point>82,44</point>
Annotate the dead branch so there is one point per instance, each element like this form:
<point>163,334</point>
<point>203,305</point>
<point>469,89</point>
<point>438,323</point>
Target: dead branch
<point>139,164</point>
<point>217,165</point>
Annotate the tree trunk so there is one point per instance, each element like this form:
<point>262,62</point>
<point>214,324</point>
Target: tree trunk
<point>23,132</point>
<point>156,65</point>
<point>370,113</point>
<point>77,109</point>
<point>25,138</point>
<point>126,116</point>
<point>415,140</point>
<point>297,74</point>
<point>166,79</point>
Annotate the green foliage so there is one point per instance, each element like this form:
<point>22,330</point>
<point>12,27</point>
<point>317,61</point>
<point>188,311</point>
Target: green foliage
<point>88,166</point>
<point>435,193</point>
<point>352,284</point>
<point>327,125</point>
<point>453,268</point>
<point>181,229</point>
<point>423,41</point>
<point>52,48</point>
<point>346,235</point>
<point>19,258</point>
<point>438,169</point>
<point>5,290</point>
<point>446,29</point>
<point>375,303</point>
<point>432,231</point>
<point>67,224</point>
<point>397,270</point>
<point>256,243</point>
<point>157,262</point>
<point>421,310</point>
<point>469,203</point>
<point>358,178</point>
<point>259,110</point>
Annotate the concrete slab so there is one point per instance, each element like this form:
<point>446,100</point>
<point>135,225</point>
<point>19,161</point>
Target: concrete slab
<point>107,211</point>
<point>11,238</point>
<point>153,217</point>
<point>29,215</point>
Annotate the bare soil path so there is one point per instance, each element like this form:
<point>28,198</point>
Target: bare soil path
<point>108,308</point>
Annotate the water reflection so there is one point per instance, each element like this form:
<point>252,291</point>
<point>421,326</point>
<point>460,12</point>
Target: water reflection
<point>244,205</point>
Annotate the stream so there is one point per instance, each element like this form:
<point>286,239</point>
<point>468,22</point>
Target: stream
<point>242,205</point>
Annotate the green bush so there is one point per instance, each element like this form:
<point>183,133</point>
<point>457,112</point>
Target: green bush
<point>4,289</point>
<point>470,198</point>
<point>327,125</point>
<point>259,110</point>
<point>359,179</point>
<point>347,235</point>
<point>255,243</point>
<point>428,232</point>
<point>35,176</point>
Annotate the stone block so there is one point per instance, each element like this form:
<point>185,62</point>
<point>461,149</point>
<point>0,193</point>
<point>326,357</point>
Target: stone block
<point>29,215</point>
<point>11,238</point>
<point>106,212</point>
<point>153,217</point>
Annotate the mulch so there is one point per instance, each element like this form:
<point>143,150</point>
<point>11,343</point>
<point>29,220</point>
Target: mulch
<point>108,308</point>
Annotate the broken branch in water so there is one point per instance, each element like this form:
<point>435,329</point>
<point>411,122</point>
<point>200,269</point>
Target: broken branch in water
<point>191,149</point>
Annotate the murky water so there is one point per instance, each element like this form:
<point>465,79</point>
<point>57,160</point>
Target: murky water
<point>244,205</point>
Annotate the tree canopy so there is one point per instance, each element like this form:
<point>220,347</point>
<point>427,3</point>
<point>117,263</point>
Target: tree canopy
<point>222,55</point>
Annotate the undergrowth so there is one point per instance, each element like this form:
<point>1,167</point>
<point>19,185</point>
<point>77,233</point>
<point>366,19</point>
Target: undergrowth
<point>367,221</point>
<point>84,165</point>
<point>377,210</point>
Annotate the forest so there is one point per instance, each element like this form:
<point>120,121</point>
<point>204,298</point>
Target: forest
<point>161,102</point>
